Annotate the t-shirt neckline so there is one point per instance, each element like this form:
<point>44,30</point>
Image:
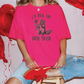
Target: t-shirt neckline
<point>39,6</point>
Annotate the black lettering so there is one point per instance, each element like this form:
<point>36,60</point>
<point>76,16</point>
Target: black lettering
<point>48,16</point>
<point>43,38</point>
<point>35,38</point>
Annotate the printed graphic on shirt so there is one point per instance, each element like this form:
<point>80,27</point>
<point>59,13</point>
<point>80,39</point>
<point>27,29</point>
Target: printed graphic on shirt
<point>40,27</point>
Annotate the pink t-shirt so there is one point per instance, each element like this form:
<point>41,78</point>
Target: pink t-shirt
<point>42,29</point>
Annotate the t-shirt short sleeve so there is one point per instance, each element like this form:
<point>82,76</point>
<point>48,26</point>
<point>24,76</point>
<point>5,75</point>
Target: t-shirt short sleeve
<point>64,29</point>
<point>16,29</point>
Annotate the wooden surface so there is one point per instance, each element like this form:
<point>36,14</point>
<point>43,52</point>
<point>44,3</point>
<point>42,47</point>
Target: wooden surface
<point>52,80</point>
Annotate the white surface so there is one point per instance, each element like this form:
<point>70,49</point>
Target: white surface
<point>75,46</point>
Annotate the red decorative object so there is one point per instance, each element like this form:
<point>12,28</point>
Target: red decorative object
<point>2,55</point>
<point>4,72</point>
<point>6,16</point>
<point>77,3</point>
<point>36,73</point>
